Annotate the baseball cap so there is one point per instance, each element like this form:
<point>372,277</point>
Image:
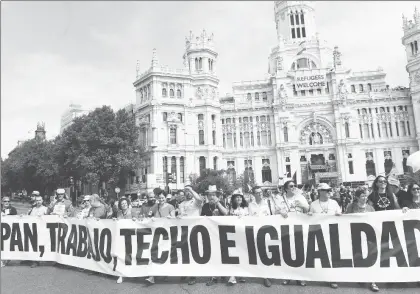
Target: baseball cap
<point>61,191</point>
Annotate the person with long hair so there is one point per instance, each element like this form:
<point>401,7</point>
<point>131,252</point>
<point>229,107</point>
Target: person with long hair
<point>360,205</point>
<point>413,201</point>
<point>293,201</point>
<point>124,212</point>
<point>238,207</point>
<point>381,197</point>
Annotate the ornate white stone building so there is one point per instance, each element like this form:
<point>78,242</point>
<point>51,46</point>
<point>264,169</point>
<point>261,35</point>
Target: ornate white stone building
<point>311,116</point>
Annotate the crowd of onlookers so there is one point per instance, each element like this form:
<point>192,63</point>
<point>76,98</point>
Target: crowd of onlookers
<point>384,194</point>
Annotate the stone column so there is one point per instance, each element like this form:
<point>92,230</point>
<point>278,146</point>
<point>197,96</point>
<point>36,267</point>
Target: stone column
<point>257,163</point>
<point>178,173</point>
<point>237,130</point>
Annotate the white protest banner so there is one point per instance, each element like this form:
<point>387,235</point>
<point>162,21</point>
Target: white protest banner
<point>380,246</point>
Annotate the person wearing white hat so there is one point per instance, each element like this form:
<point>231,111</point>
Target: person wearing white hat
<point>62,207</point>
<point>238,207</point>
<point>394,187</point>
<point>325,205</point>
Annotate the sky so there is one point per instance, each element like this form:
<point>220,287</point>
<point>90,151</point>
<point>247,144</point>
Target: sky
<point>57,53</point>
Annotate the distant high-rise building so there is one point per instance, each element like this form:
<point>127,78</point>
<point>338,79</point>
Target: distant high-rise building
<point>74,110</point>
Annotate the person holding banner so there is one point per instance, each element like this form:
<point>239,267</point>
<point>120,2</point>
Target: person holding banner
<point>293,202</point>
<point>62,206</point>
<point>6,209</point>
<point>124,212</point>
<point>97,209</point>
<point>325,205</point>
<point>360,205</point>
<point>381,197</point>
<point>238,207</point>
<point>213,207</point>
<point>82,209</point>
<point>146,209</point>
<point>39,209</point>
<point>413,193</point>
<point>191,206</point>
<point>264,206</point>
<point>161,209</point>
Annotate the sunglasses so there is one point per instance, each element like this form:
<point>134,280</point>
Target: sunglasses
<point>326,190</point>
<point>382,182</point>
<point>6,201</point>
<point>292,186</point>
<point>415,189</point>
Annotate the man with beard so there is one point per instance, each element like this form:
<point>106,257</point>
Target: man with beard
<point>146,209</point>
<point>63,206</point>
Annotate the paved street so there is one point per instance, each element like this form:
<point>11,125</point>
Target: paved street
<point>17,279</point>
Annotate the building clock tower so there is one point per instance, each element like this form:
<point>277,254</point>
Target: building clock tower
<point>411,41</point>
<point>295,20</point>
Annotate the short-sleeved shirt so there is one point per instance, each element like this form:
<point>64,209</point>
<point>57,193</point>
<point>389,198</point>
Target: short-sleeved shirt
<point>261,209</point>
<point>126,215</point>
<point>162,210</point>
<point>240,211</point>
<point>38,211</point>
<point>382,202</point>
<point>291,204</point>
<point>354,208</point>
<point>329,207</point>
<point>191,207</point>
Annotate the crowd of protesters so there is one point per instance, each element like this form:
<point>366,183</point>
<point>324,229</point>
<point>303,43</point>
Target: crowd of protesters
<point>384,194</point>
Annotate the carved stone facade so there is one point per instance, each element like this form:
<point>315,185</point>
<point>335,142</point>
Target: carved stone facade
<point>346,129</point>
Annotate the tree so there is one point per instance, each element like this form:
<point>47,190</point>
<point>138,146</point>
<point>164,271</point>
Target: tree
<point>101,147</point>
<point>31,166</point>
<point>212,177</point>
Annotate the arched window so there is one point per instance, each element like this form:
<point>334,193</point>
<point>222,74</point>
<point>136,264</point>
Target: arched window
<point>171,93</point>
<point>196,64</point>
<point>286,134</point>
<point>264,96</point>
<point>266,171</point>
<point>201,137</point>
<point>164,92</point>
<point>215,163</point>
<point>178,93</point>
<point>248,96</point>
<point>257,96</point>
<point>201,116</point>
<point>200,63</point>
<point>353,89</point>
<point>182,169</point>
<point>180,117</point>
<point>361,89</point>
<point>172,135</point>
<point>202,163</point>
<point>369,87</point>
<point>347,129</point>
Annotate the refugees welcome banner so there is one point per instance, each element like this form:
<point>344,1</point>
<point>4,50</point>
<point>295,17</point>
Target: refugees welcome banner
<point>379,247</point>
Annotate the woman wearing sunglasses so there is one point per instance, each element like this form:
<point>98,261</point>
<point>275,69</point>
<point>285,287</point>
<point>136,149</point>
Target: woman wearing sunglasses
<point>413,197</point>
<point>381,197</point>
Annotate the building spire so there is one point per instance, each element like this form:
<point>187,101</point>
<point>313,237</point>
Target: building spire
<point>155,60</point>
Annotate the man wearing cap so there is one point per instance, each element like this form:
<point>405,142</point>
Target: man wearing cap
<point>34,194</point>
<point>394,186</point>
<point>325,205</point>
<point>62,206</point>
<point>82,211</point>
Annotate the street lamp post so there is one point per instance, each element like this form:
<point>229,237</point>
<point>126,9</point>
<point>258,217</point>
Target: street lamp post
<point>118,190</point>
